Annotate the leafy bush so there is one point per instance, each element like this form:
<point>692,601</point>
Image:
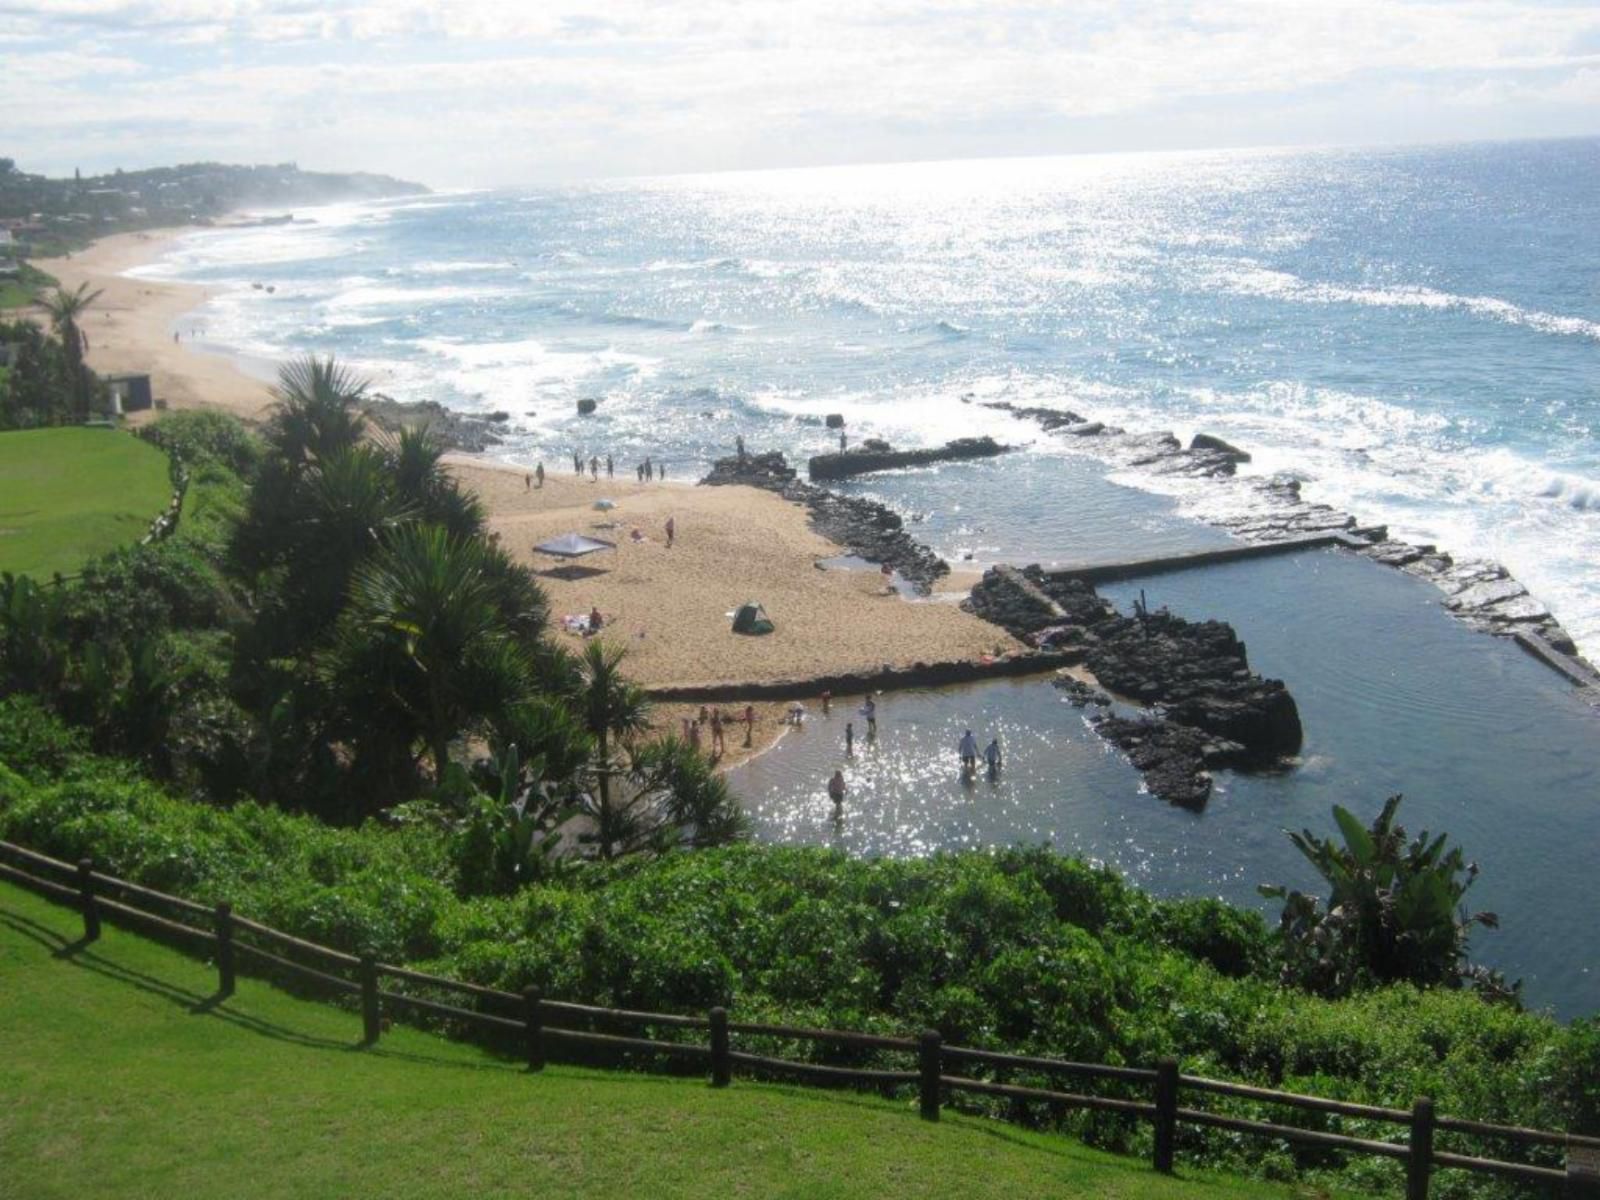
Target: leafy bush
<point>197,436</point>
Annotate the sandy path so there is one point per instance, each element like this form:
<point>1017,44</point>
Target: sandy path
<point>130,327</point>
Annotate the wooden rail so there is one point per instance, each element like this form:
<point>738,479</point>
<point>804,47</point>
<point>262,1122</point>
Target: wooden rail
<point>541,1023</point>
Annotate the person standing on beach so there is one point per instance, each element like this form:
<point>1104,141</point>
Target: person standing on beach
<point>594,468</point>
<point>648,469</point>
<point>849,739</point>
<point>869,710</point>
<point>969,751</point>
<point>661,472</point>
<point>538,473</point>
<point>527,483</point>
<point>738,441</point>
<point>577,463</point>
<point>672,531</point>
<point>836,791</point>
<point>842,441</point>
<point>718,746</point>
<point>749,723</point>
<point>611,469</point>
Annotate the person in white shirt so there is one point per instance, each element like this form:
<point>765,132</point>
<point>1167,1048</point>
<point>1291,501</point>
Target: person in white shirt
<point>969,751</point>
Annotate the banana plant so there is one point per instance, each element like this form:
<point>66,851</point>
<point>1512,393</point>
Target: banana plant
<point>1394,911</point>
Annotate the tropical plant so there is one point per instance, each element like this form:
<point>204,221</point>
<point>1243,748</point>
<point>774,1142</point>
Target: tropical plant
<point>613,708</point>
<point>1394,912</point>
<point>65,308</point>
<point>421,646</point>
<point>34,649</point>
<point>318,411</point>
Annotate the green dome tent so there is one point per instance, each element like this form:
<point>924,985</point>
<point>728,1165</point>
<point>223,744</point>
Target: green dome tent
<point>752,618</point>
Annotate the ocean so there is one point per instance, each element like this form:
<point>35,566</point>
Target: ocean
<point>1414,333</point>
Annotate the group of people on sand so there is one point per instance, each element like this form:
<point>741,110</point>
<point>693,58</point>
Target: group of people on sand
<point>644,472</point>
<point>713,723</point>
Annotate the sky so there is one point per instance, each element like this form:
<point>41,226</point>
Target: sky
<point>478,93</point>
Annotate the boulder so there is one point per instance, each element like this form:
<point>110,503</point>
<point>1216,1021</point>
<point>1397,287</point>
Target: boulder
<point>834,420</point>
<point>586,406</point>
<point>877,456</point>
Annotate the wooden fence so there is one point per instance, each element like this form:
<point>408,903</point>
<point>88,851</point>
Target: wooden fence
<point>541,1025</point>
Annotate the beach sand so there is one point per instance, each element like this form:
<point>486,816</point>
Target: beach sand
<point>670,608</point>
<point>130,328</point>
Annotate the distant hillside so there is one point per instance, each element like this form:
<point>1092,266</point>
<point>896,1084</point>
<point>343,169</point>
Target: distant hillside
<point>36,208</point>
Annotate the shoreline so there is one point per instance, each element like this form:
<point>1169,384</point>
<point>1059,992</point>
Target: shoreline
<point>130,328</point>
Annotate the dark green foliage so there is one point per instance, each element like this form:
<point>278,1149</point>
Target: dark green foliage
<point>37,390</point>
<point>1395,911</point>
<point>34,742</point>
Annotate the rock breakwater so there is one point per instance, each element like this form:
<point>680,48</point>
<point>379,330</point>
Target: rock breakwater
<point>1206,708</point>
<point>865,528</point>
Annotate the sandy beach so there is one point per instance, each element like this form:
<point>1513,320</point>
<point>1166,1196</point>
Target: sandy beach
<point>670,607</point>
<point>130,327</point>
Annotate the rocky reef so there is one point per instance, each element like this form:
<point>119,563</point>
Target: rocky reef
<point>1271,508</point>
<point>880,456</point>
<point>1205,707</point>
<point>467,432</point>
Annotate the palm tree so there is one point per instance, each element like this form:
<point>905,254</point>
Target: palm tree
<point>422,640</point>
<point>611,707</point>
<point>65,308</point>
<point>318,412</point>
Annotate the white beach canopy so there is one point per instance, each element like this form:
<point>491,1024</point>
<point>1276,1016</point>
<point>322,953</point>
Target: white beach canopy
<point>573,545</point>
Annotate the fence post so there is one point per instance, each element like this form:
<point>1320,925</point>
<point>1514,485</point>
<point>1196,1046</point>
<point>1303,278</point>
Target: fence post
<point>1166,1121</point>
<point>369,999</point>
<point>721,1065</point>
<point>930,1058</point>
<point>533,1027</point>
<point>1419,1166</point>
<point>87,902</point>
<point>1583,1173</point>
<point>225,967</point>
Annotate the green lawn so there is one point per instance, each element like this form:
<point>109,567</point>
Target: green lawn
<point>69,494</point>
<point>22,291</point>
<point>117,1080</point>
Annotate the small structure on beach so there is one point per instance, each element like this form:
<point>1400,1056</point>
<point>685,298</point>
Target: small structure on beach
<point>751,618</point>
<point>129,393</point>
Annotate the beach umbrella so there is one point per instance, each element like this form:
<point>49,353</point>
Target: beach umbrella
<point>573,545</point>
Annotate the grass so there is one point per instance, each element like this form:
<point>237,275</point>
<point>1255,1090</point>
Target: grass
<point>119,1078</point>
<point>69,494</point>
<point>22,291</point>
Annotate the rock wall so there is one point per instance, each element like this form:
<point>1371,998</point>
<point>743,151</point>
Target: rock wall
<point>868,457</point>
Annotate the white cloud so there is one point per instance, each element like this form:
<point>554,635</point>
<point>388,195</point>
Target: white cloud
<point>501,90</point>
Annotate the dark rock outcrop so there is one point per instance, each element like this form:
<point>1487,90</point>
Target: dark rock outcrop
<point>454,430</point>
<point>1207,706</point>
<point>874,455</point>
<point>865,528</point>
<point>1173,758</point>
<point>586,406</point>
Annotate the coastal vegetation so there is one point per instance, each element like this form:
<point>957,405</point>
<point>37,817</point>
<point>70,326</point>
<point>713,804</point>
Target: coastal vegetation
<point>25,288</point>
<point>240,1081</point>
<point>327,697</point>
<point>71,494</point>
